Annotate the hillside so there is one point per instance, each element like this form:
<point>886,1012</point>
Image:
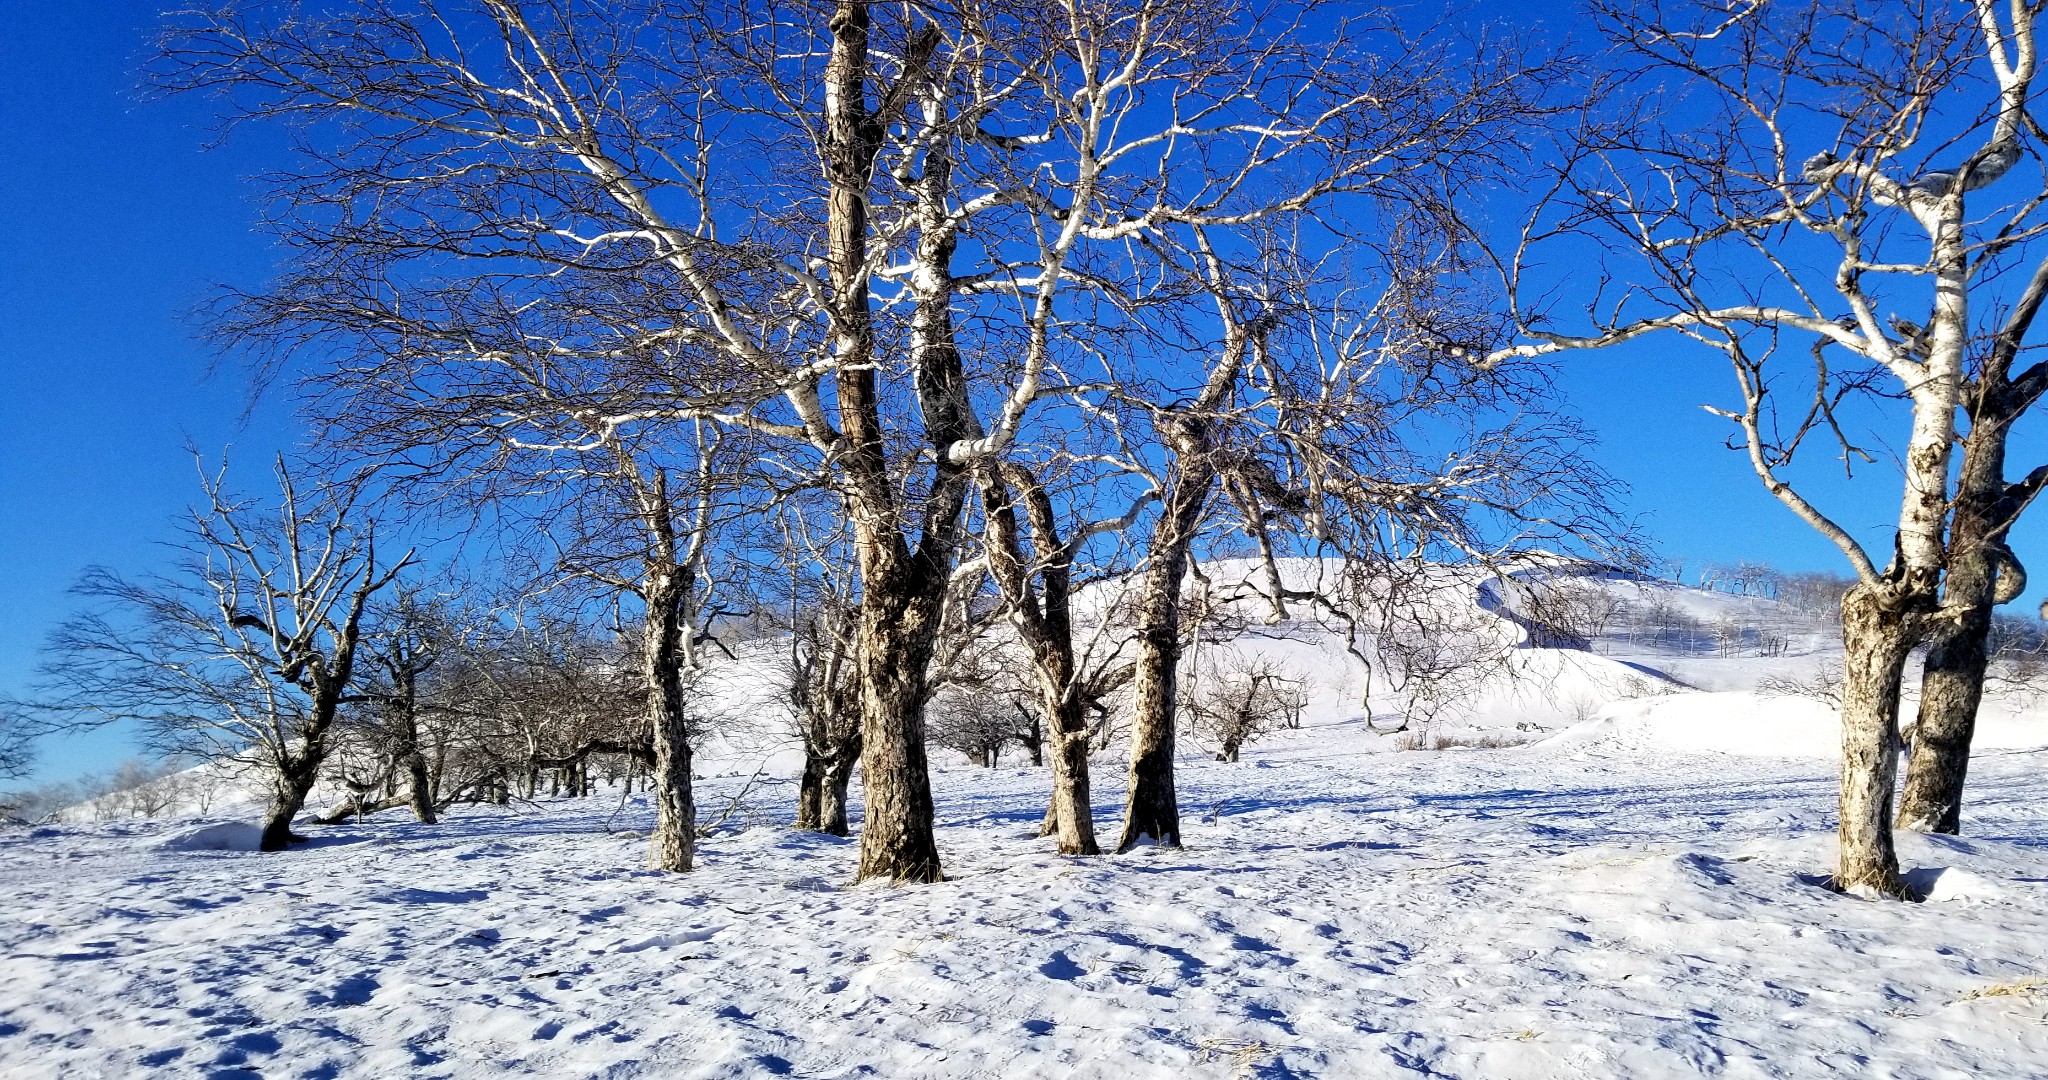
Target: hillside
<point>1633,892</point>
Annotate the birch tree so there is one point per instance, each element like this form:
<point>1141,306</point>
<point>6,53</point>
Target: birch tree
<point>1846,183</point>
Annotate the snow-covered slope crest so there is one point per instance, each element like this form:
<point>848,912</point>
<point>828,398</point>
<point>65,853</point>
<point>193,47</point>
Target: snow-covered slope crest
<point>1662,667</point>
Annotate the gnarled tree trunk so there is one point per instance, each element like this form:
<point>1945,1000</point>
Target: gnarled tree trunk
<point>896,839</point>
<point>1951,688</point>
<point>1981,575</point>
<point>289,789</point>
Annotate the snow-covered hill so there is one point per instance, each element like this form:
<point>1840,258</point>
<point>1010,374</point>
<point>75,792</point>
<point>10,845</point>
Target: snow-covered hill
<point>1635,893</point>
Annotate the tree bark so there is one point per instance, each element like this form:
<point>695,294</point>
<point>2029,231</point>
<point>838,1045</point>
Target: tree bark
<point>420,784</point>
<point>1073,816</point>
<point>897,841</point>
<point>810,793</point>
<point>832,799</point>
<point>821,796</point>
<point>901,590</point>
<point>673,846</point>
<point>1152,808</point>
<point>1952,684</point>
<point>1878,633</point>
<point>294,781</point>
<point>1952,687</point>
<point>420,787</point>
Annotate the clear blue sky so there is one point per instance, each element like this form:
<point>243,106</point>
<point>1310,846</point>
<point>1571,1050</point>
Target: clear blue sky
<point>115,225</point>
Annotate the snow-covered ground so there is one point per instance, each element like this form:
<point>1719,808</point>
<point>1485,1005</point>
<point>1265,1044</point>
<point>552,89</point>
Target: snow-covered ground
<point>1550,912</point>
<point>1639,895</point>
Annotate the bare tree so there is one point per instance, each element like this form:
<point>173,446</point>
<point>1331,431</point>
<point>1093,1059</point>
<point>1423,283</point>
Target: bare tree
<point>1074,660</point>
<point>823,697</point>
<point>1242,699</point>
<point>861,231</point>
<point>1846,191</point>
<point>18,733</point>
<point>246,650</point>
<point>1323,420</point>
<point>394,708</point>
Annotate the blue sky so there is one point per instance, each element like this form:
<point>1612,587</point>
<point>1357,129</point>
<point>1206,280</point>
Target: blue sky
<point>115,225</point>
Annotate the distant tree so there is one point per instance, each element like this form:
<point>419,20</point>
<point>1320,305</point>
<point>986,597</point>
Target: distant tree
<point>18,733</point>
<point>1240,699</point>
<point>246,650</point>
<point>397,704</point>
<point>38,804</point>
<point>1823,684</point>
<point>822,694</point>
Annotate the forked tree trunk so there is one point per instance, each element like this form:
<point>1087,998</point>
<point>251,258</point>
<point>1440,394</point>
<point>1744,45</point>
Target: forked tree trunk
<point>1951,688</point>
<point>1043,616</point>
<point>901,590</point>
<point>1152,809</point>
<point>821,797</point>
<point>1878,633</point>
<point>1952,685</point>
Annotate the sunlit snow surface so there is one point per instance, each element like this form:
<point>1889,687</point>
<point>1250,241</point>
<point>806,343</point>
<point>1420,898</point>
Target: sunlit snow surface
<point>1639,896</point>
<point>1337,912</point>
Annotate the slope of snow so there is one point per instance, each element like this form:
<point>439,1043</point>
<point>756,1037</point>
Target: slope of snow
<point>1640,895</point>
<point>1486,914</point>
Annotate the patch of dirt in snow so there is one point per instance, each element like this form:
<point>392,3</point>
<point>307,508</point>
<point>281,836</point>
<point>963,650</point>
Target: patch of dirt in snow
<point>1489,914</point>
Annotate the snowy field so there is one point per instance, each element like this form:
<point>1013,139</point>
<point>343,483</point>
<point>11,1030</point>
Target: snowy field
<point>1637,895</point>
<point>1532,913</point>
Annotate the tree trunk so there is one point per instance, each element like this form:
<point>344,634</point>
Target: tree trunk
<point>294,781</point>
<point>673,846</point>
<point>1073,816</point>
<point>1043,617</point>
<point>422,787</point>
<point>897,841</point>
<point>1152,809</point>
<point>832,799</point>
<point>810,792</point>
<point>1952,686</point>
<point>1952,683</point>
<point>829,759</point>
<point>1878,633</point>
<point>901,590</point>
<point>1031,734</point>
